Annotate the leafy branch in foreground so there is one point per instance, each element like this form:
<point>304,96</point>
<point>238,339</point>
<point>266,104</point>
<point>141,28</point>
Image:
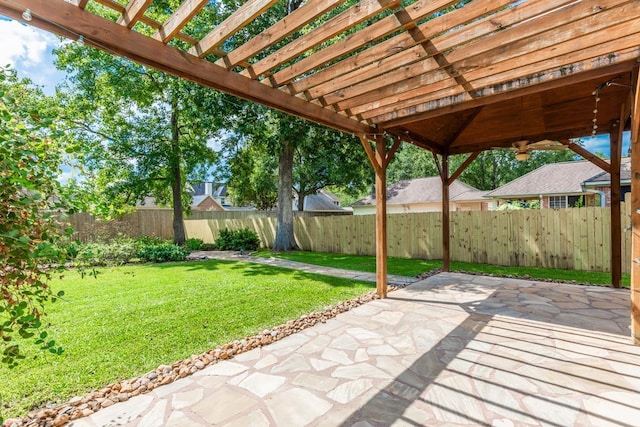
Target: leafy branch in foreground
<point>30,195</point>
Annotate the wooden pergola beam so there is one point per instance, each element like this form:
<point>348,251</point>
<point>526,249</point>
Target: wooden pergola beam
<point>187,10</point>
<point>401,19</point>
<point>388,55</point>
<point>132,12</point>
<point>469,54</point>
<point>347,19</point>
<point>463,166</point>
<point>635,213</point>
<point>590,156</point>
<point>114,38</point>
<point>554,80</point>
<point>234,23</point>
<point>283,28</point>
<point>616,224</point>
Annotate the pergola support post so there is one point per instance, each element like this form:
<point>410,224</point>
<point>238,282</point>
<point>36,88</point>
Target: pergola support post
<point>446,217</point>
<point>380,159</point>
<point>635,214</point>
<point>616,225</point>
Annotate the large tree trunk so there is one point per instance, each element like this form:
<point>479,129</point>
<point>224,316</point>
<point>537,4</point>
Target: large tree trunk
<point>176,181</point>
<point>285,239</point>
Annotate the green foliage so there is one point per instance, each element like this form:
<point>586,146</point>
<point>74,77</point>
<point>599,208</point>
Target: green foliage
<point>30,160</point>
<point>116,252</point>
<point>208,247</point>
<point>490,170</point>
<point>193,244</point>
<point>162,253</point>
<point>236,240</point>
<point>136,132</point>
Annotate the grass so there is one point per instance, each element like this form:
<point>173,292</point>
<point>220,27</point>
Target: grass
<point>131,319</point>
<point>413,267</point>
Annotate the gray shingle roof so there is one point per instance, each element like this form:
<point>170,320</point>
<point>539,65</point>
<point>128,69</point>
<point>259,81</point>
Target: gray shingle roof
<point>554,178</point>
<point>605,177</point>
<point>425,190</point>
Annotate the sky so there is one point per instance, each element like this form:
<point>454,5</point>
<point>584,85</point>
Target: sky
<point>29,51</point>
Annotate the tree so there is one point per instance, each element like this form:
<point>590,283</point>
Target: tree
<point>253,177</point>
<point>326,158</point>
<point>490,170</point>
<point>30,159</point>
<point>140,132</point>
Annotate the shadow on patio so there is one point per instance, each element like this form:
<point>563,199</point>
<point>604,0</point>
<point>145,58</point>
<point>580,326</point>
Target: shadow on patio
<point>540,354</point>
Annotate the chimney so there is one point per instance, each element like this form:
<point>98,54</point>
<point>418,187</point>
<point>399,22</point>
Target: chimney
<point>208,188</point>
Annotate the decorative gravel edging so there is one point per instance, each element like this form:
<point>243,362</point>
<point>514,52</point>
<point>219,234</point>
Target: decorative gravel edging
<point>82,406</point>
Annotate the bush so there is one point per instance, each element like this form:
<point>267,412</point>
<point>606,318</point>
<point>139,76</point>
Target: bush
<point>193,244</point>
<point>237,240</point>
<point>116,252</point>
<point>208,247</point>
<point>162,253</point>
<point>150,241</point>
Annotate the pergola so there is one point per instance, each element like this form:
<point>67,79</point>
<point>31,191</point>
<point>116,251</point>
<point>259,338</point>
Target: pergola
<point>450,80</point>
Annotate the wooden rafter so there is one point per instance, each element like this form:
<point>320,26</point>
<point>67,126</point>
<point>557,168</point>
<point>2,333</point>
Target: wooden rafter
<point>283,28</point>
<point>553,80</point>
<point>430,83</point>
<point>347,19</point>
<point>463,166</point>
<point>374,60</point>
<point>133,12</point>
<point>234,23</point>
<point>179,19</point>
<point>401,19</point>
<point>111,4</point>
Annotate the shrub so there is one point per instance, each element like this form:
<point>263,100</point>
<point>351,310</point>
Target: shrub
<point>193,244</point>
<point>162,253</point>
<point>117,252</point>
<point>208,247</point>
<point>143,241</point>
<point>236,240</point>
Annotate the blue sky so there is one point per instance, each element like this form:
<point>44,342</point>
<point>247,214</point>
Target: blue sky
<point>29,51</point>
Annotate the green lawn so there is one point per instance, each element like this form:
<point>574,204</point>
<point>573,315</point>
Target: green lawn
<point>133,318</point>
<point>413,267</point>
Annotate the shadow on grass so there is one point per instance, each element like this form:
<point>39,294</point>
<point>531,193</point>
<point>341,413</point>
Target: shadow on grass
<point>248,269</point>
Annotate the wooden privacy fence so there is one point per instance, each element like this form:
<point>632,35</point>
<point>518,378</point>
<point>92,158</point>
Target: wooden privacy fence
<point>577,238</point>
<point>158,222</point>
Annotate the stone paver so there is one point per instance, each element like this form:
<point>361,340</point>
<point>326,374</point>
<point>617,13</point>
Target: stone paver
<point>453,349</point>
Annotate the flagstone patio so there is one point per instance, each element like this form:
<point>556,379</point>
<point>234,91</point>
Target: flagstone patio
<point>453,349</point>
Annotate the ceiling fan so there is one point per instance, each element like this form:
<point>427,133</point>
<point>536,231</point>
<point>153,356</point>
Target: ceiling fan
<point>523,147</point>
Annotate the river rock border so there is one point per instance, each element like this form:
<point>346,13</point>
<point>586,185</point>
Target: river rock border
<point>82,406</point>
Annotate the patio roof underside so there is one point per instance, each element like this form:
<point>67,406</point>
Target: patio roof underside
<point>452,80</point>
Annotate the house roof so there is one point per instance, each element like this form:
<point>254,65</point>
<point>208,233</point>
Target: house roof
<point>318,202</point>
<point>425,190</point>
<point>553,178</point>
<point>604,178</point>
<point>150,202</point>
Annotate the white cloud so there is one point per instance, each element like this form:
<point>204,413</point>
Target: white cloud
<point>23,45</point>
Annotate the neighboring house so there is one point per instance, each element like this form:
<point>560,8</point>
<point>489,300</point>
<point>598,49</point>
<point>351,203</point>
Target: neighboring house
<point>323,201</point>
<point>562,185</point>
<point>425,195</point>
<point>601,183</point>
<point>198,203</point>
<point>216,190</point>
